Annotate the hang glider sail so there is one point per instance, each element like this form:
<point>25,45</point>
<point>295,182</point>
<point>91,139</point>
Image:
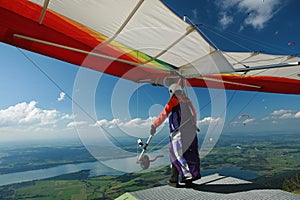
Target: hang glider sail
<point>142,41</point>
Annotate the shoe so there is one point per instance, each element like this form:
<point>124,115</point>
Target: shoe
<point>189,183</point>
<point>172,184</point>
<point>187,179</point>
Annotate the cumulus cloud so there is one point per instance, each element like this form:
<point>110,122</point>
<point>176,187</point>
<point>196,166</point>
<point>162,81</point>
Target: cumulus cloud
<point>29,115</point>
<point>61,96</point>
<point>280,112</point>
<point>257,13</point>
<point>133,123</point>
<point>26,114</point>
<point>283,114</point>
<point>141,126</point>
<point>208,120</point>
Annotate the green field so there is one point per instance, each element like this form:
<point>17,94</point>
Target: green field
<point>267,155</point>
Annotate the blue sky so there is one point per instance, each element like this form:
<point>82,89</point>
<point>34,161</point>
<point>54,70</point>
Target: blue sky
<point>33,107</point>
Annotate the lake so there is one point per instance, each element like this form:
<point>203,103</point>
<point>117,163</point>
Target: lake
<point>97,168</point>
<point>235,172</point>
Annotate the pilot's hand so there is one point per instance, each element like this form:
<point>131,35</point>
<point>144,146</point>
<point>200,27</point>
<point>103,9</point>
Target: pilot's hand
<point>153,130</point>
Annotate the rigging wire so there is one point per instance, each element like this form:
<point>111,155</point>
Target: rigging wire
<point>228,103</point>
<point>246,38</point>
<point>155,146</point>
<point>67,95</point>
<point>242,46</point>
<point>201,32</point>
<point>242,109</point>
<point>152,148</point>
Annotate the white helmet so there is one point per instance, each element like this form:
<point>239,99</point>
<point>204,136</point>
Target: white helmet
<point>173,88</point>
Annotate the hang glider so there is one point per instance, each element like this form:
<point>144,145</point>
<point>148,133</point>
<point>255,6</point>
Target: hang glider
<point>142,41</point>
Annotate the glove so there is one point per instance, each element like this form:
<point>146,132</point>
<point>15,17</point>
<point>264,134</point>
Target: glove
<point>153,130</point>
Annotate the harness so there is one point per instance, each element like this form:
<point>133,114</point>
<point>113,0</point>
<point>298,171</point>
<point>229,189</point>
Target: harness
<point>182,115</point>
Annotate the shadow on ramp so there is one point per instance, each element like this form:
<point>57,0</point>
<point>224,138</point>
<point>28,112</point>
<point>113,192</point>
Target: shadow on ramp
<point>225,185</point>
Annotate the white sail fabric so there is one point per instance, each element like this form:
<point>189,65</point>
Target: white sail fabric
<point>242,59</point>
<point>145,25</point>
<point>209,64</point>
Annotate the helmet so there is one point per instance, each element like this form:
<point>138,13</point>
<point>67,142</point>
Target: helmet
<point>173,88</point>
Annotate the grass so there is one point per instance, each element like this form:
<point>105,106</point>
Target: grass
<point>297,192</point>
<point>59,189</point>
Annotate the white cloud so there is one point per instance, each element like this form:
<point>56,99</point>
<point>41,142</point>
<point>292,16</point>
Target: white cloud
<point>138,123</point>
<point>286,116</point>
<point>66,116</point>
<point>61,96</point>
<point>138,126</point>
<point>280,112</point>
<point>102,122</point>
<point>27,115</point>
<point>260,13</point>
<point>266,118</point>
<point>257,13</point>
<point>244,122</point>
<point>73,124</point>
<point>283,114</point>
<point>208,120</point>
<point>225,20</point>
<point>133,123</point>
<point>108,124</point>
<point>247,121</point>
